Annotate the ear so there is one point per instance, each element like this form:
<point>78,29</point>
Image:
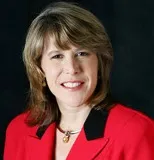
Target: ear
<point>44,83</point>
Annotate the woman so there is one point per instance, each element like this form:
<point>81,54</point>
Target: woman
<point>71,115</point>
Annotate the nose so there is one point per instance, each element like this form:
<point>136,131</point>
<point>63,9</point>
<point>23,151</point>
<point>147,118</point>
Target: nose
<point>71,66</point>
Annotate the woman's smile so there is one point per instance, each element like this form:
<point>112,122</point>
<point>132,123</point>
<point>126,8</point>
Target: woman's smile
<point>73,85</point>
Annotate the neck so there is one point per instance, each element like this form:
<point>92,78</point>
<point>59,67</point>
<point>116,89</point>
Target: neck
<point>73,118</point>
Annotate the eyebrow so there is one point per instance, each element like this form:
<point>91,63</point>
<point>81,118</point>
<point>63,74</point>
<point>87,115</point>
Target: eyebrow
<point>59,51</point>
<point>52,52</point>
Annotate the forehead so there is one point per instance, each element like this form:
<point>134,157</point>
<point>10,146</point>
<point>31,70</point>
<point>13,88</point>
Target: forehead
<point>50,44</point>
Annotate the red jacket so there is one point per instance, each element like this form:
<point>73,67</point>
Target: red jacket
<point>121,134</point>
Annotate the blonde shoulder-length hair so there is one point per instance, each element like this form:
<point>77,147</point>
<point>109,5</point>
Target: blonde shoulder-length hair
<point>68,24</point>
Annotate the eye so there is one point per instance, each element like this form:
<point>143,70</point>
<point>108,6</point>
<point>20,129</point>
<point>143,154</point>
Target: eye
<point>58,56</point>
<point>82,54</point>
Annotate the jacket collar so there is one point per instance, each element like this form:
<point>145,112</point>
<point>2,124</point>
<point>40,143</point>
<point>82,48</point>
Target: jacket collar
<point>94,126</point>
<point>91,139</point>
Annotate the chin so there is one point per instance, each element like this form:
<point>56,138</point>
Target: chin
<point>74,103</point>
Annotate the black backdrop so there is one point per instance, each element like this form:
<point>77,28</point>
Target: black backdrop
<point>130,26</point>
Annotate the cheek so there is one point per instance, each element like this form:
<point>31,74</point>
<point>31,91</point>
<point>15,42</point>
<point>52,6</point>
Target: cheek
<point>51,74</point>
<point>51,79</point>
<point>49,68</point>
<point>93,67</point>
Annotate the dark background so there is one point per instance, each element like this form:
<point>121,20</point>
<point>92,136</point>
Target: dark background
<point>130,25</point>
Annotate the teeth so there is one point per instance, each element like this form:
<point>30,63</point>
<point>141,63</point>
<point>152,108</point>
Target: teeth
<point>71,85</point>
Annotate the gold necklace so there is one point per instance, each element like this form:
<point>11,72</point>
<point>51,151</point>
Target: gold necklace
<point>67,134</point>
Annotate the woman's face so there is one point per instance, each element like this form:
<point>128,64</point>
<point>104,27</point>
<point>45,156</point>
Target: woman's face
<point>71,74</point>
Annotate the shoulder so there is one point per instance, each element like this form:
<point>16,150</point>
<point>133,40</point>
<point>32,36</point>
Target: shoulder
<point>16,133</point>
<point>18,125</point>
<point>123,113</point>
<point>131,134</point>
<point>129,121</point>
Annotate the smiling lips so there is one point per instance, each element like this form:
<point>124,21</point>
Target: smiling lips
<point>72,85</point>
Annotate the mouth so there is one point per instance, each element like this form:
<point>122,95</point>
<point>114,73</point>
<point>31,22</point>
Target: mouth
<point>72,85</point>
